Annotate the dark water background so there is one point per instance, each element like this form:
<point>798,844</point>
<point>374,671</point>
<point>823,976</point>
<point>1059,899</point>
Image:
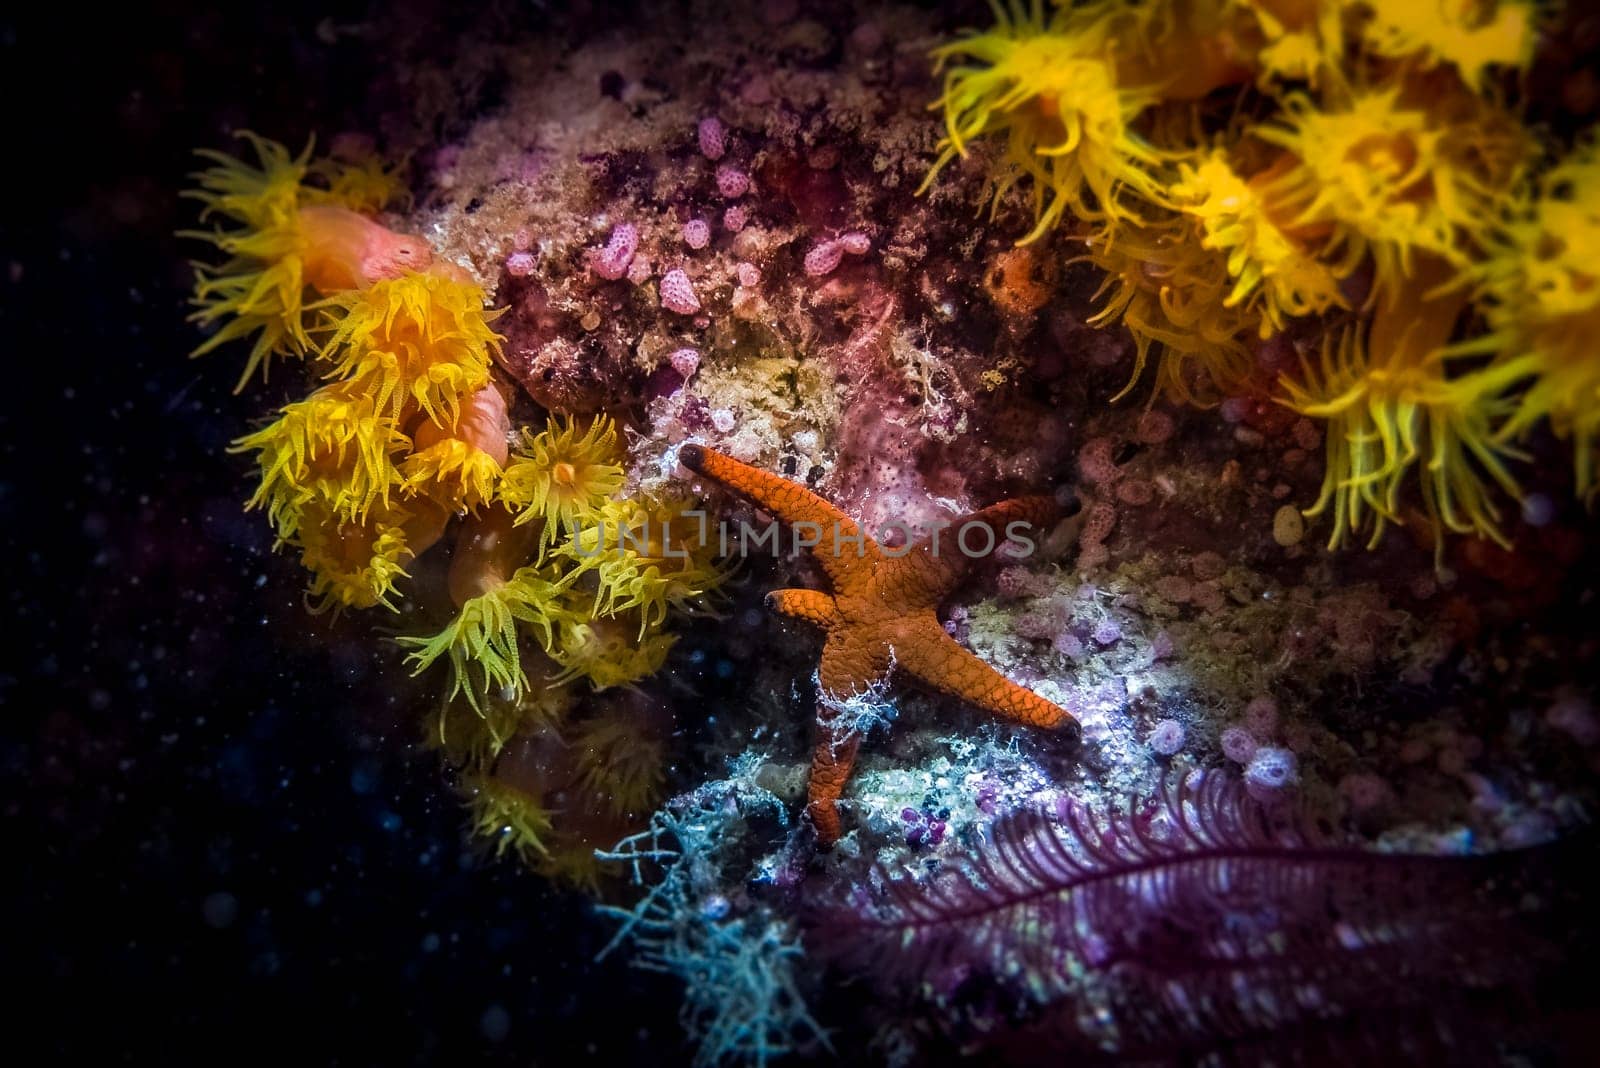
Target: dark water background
<point>222,843</point>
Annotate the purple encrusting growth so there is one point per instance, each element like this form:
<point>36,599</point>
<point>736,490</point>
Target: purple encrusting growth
<point>1210,919</point>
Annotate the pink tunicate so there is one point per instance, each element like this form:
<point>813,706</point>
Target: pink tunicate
<point>685,362</point>
<point>713,138</point>
<point>823,258</point>
<point>1167,737</point>
<point>732,183</point>
<point>722,419</point>
<point>1154,427</point>
<point>519,264</point>
<point>522,240</point>
<point>1363,790</point>
<point>677,293</point>
<point>1094,460</point>
<point>1238,745</point>
<point>1161,646</point>
<point>1574,717</point>
<point>613,260</point>
<point>856,243</point>
<point>734,219</point>
<point>1136,492</point>
<point>639,270</point>
<point>1261,716</point>
<point>748,274</point>
<point>697,233</point>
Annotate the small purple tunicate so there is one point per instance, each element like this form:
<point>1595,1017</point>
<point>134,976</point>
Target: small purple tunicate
<point>1167,737</point>
<point>1271,768</point>
<point>935,832</point>
<point>1234,409</point>
<point>1538,510</point>
<point>748,274</point>
<point>914,835</point>
<point>988,794</point>
<point>732,183</point>
<point>1106,632</point>
<point>677,293</point>
<point>697,233</point>
<point>1069,645</point>
<point>613,260</point>
<point>713,138</point>
<point>910,815</point>
<point>1238,745</point>
<point>685,362</point>
<point>856,243</point>
<point>734,219</point>
<point>519,264</point>
<point>823,258</point>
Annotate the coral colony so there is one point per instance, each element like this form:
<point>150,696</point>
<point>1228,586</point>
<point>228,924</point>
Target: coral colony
<point>1183,532</point>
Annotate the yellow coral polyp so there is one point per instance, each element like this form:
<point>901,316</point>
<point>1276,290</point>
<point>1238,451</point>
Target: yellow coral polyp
<point>1543,284</point>
<point>353,563</point>
<point>456,473</point>
<point>1048,89</point>
<point>620,762</point>
<point>484,634</point>
<point>1378,176</point>
<point>1270,269</point>
<point>562,476</point>
<point>332,449</point>
<point>513,820</point>
<point>286,237</point>
<point>650,555</point>
<point>608,652</point>
<point>1171,294</point>
<point>1393,404</point>
<point>1470,35</point>
<point>473,737</point>
<point>418,341</point>
<point>366,185</point>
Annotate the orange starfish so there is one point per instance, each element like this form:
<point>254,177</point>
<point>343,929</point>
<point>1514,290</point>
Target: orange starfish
<point>881,615</point>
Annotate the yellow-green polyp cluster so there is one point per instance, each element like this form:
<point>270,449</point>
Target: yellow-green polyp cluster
<point>1346,169</point>
<point>406,444</point>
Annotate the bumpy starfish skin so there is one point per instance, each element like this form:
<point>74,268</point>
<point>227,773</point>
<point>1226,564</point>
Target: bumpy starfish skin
<point>881,615</point>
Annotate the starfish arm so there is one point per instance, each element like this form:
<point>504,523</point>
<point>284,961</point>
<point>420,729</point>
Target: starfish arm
<point>831,763</point>
<point>937,564</point>
<point>937,661</point>
<point>813,606</point>
<point>844,552</point>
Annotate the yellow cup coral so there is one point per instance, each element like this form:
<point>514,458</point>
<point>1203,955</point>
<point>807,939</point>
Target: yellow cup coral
<point>563,477</point>
<point>331,448</point>
<point>420,341</point>
<point>458,465</point>
<point>287,237</point>
<point>649,554</point>
<point>1393,403</point>
<point>496,598</point>
<point>1049,90</point>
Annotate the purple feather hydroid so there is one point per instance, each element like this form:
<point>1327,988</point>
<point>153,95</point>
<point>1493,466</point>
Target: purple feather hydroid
<point>1194,920</point>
